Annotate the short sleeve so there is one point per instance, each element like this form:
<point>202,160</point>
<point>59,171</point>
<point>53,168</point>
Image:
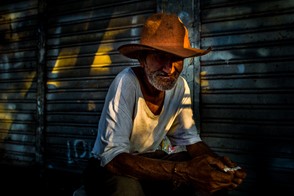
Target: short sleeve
<point>115,124</point>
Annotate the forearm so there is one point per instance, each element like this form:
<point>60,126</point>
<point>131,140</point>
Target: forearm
<point>200,171</point>
<point>141,167</point>
<point>147,168</point>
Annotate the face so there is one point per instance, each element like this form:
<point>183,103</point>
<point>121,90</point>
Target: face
<point>162,69</point>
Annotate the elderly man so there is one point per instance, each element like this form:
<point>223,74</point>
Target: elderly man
<point>146,105</point>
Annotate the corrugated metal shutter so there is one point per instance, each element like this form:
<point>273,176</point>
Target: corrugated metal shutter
<point>18,81</point>
<point>247,89</point>
<point>81,63</point>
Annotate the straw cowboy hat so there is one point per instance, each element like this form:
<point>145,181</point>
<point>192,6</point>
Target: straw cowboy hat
<point>163,32</point>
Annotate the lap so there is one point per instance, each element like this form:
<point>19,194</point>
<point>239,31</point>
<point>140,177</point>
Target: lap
<point>98,181</point>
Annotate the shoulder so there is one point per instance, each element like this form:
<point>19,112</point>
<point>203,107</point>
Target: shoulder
<point>123,90</point>
<point>182,81</point>
<point>126,73</point>
<point>125,78</point>
<point>181,91</point>
<point>182,86</point>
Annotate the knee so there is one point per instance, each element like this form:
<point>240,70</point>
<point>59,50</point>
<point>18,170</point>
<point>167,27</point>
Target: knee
<point>127,186</point>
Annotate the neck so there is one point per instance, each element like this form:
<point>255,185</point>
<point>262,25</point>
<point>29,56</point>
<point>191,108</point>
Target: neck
<point>153,97</point>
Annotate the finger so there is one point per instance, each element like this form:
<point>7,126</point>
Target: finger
<point>221,177</point>
<point>220,186</point>
<point>213,187</point>
<point>228,162</point>
<point>240,174</point>
<point>233,186</point>
<point>237,181</point>
<point>230,186</point>
<point>216,163</point>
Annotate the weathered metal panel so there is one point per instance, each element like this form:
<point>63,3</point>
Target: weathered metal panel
<point>82,61</point>
<point>247,89</point>
<point>18,70</point>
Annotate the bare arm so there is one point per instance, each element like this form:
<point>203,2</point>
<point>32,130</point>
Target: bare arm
<point>204,171</point>
<point>141,167</point>
<point>147,168</point>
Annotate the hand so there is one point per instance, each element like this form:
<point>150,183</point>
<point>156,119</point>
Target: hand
<point>206,174</point>
<point>239,175</point>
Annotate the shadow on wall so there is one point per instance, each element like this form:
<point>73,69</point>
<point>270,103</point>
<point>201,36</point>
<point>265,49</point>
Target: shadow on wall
<point>248,102</point>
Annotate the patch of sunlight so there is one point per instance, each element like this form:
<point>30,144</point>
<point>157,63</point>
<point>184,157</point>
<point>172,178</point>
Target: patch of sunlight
<point>66,58</point>
<point>7,124</point>
<point>91,106</point>
<point>53,84</point>
<point>203,73</point>
<point>204,83</point>
<point>102,57</point>
<point>100,60</point>
<point>27,85</point>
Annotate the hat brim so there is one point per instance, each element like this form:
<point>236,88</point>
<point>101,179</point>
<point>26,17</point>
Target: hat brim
<point>132,50</point>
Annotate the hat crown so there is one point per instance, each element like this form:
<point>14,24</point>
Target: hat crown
<point>165,30</point>
<point>166,33</point>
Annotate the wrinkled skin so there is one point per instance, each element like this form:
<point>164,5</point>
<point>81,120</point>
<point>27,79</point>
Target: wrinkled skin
<point>211,177</point>
<point>206,173</point>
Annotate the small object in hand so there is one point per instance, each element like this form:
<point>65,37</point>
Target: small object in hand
<point>226,169</point>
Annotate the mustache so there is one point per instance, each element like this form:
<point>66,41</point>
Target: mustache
<point>162,73</point>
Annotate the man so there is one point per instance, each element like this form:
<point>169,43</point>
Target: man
<point>144,105</point>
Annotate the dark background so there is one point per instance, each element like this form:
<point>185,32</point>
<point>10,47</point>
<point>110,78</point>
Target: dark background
<point>57,59</point>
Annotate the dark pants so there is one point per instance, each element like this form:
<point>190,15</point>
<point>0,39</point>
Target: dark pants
<point>98,181</point>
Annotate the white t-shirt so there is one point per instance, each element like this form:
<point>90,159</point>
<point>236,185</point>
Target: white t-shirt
<point>128,125</point>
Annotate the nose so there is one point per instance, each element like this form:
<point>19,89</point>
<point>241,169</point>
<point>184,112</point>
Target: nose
<point>168,67</point>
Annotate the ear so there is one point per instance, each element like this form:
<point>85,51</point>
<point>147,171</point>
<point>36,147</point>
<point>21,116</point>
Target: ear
<point>142,59</point>
<point>142,63</point>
